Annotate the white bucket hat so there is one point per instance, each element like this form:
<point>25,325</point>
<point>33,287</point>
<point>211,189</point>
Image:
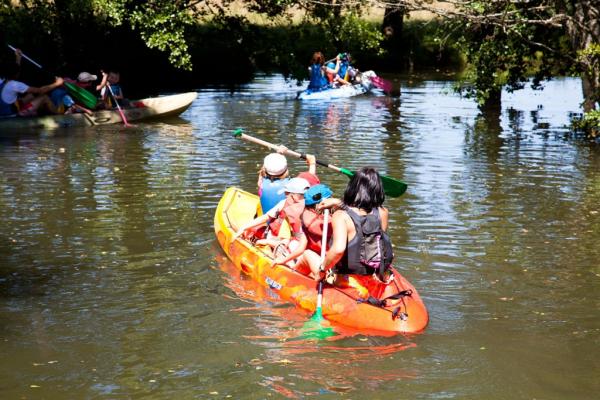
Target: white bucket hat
<point>295,185</point>
<point>275,164</point>
<point>86,77</point>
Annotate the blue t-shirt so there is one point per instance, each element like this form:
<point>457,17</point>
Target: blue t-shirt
<point>269,196</point>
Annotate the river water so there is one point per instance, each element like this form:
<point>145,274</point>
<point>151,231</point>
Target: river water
<point>112,284</point>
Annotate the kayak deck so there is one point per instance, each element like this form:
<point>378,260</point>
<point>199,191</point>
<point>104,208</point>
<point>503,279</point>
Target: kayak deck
<point>342,306</point>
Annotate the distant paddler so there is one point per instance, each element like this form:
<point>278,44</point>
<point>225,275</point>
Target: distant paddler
<point>18,98</point>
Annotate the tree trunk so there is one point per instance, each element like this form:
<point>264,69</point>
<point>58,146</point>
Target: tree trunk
<point>591,91</point>
<point>493,104</point>
<point>393,21</point>
<point>583,32</point>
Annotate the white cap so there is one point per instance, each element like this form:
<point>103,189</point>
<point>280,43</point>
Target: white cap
<point>275,164</point>
<point>295,185</point>
<point>86,77</point>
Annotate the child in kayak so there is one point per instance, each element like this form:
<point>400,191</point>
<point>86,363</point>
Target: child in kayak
<point>111,91</point>
<point>286,212</point>
<point>309,262</point>
<point>332,72</point>
<point>65,102</point>
<point>274,175</point>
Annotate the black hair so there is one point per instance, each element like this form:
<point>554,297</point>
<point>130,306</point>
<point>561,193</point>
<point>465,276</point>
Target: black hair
<point>365,190</point>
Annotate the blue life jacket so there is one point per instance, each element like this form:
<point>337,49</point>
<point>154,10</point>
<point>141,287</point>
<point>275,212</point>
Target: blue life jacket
<point>5,108</point>
<point>60,96</point>
<point>269,196</point>
<point>344,65</point>
<point>317,79</point>
<point>116,89</point>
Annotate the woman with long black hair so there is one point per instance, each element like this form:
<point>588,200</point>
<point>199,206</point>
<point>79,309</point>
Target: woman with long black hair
<point>360,247</point>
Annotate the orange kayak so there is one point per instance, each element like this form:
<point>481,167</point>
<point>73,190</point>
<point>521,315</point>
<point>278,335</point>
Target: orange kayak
<point>402,311</point>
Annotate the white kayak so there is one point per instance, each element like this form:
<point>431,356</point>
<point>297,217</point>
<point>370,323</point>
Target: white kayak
<point>365,85</point>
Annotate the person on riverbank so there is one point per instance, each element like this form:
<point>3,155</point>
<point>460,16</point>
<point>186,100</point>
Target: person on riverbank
<point>19,99</point>
<point>274,175</point>
<point>318,81</point>
<point>361,249</point>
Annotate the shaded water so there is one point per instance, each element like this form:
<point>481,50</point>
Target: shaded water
<point>112,285</point>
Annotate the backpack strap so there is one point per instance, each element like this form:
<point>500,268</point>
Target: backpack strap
<point>397,313</point>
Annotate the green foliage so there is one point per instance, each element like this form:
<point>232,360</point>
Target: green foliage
<point>589,123</point>
<point>432,44</point>
<point>358,35</point>
<point>162,25</point>
<point>506,56</point>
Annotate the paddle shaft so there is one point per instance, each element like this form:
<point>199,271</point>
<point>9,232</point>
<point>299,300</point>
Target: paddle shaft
<point>118,106</point>
<point>323,249</point>
<point>391,186</point>
<point>287,152</point>
<point>25,57</point>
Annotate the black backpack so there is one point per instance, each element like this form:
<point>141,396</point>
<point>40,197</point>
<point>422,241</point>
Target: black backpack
<point>375,248</point>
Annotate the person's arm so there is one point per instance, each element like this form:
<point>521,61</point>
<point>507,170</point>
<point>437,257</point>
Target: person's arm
<point>337,65</point>
<point>340,240</point>
<point>255,222</point>
<point>18,55</point>
<point>103,82</point>
<point>331,203</point>
<point>384,214</point>
<point>45,89</point>
<point>312,164</point>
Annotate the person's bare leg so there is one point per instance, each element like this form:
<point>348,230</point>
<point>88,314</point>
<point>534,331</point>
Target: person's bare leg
<point>43,102</point>
<point>309,260</point>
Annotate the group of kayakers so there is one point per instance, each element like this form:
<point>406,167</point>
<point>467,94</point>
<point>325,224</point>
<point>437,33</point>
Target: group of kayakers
<point>18,99</point>
<point>357,245</point>
<point>330,74</point>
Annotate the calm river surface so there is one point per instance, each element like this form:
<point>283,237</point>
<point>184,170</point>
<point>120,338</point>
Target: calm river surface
<point>112,285</point>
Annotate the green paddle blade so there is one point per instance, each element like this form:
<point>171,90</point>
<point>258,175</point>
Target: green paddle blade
<point>392,187</point>
<point>81,95</point>
<point>314,329</point>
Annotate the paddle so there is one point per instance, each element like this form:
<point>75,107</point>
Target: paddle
<point>127,125</point>
<point>313,328</point>
<point>86,98</point>
<point>391,186</point>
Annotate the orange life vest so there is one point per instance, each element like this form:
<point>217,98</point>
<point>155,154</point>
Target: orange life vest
<point>312,222</point>
<point>291,212</point>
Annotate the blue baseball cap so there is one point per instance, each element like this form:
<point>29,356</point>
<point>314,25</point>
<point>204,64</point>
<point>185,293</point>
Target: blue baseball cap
<point>317,193</point>
<point>331,65</point>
